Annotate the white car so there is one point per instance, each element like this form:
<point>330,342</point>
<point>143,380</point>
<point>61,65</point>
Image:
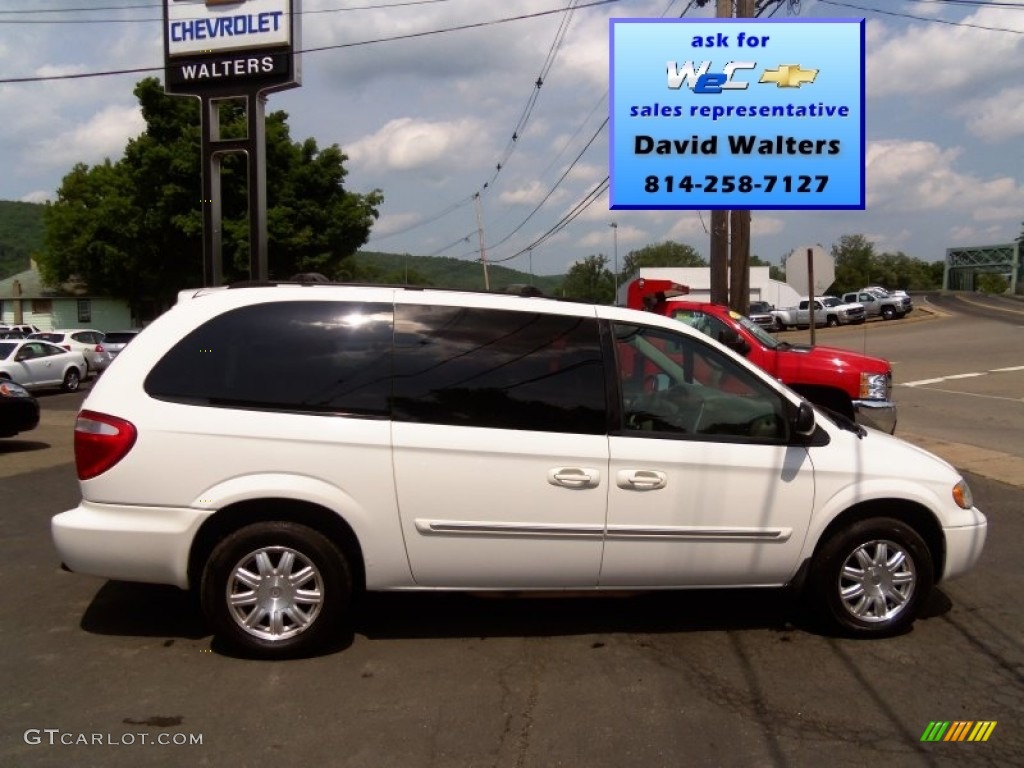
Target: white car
<point>328,438</point>
<point>84,340</point>
<point>36,364</point>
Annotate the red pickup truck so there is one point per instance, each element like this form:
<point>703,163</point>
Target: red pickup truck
<point>855,385</point>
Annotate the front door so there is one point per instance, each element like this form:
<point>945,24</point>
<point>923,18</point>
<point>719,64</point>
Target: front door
<point>705,487</point>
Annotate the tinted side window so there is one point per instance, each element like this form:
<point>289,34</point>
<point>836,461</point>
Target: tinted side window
<point>673,385</point>
<point>319,356</point>
<point>498,369</point>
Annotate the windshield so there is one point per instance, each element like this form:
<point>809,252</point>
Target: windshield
<point>757,331</point>
<point>831,301</point>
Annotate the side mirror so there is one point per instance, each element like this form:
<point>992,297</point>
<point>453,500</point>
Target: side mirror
<point>734,341</point>
<point>803,422</point>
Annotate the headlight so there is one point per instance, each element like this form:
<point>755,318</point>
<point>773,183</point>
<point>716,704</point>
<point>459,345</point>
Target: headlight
<point>962,495</point>
<point>875,386</point>
<point>10,389</point>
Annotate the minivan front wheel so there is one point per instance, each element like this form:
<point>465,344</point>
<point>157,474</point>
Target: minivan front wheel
<point>276,589</point>
<point>871,579</point>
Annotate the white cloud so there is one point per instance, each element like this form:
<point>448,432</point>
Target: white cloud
<point>996,117</point>
<point>529,193</point>
<point>102,136</point>
<point>929,58</point>
<point>407,144</point>
<point>39,196</point>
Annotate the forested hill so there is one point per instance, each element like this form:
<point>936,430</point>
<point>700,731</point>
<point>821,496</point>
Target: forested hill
<point>21,234</point>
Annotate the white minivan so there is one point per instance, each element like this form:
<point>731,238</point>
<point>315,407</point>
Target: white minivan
<point>278,447</point>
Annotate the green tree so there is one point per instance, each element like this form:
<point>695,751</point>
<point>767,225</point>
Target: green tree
<point>590,280</point>
<point>667,254</point>
<point>854,256</point>
<point>775,272</point>
<point>132,229</point>
<point>990,282</point>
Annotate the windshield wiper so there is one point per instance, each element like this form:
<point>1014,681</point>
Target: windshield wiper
<point>844,422</point>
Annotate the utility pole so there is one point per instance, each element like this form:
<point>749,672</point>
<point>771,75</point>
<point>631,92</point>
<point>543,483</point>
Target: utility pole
<point>730,230</point>
<point>720,219</point>
<point>480,232</point>
<point>615,264</point>
<point>739,244</point>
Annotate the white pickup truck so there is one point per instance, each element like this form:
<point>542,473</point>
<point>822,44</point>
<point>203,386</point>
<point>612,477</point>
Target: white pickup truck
<point>828,311</point>
<point>878,303</point>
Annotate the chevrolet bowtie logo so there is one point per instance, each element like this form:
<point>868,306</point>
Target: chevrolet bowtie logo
<point>788,76</point>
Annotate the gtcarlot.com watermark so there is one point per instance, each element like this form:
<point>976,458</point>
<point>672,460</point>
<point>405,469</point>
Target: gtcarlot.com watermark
<point>56,737</point>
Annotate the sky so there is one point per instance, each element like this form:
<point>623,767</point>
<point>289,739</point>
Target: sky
<point>437,104</point>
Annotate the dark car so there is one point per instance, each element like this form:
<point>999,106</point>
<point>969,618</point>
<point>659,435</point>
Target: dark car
<point>115,341</point>
<point>19,411</point>
<point>761,313</point>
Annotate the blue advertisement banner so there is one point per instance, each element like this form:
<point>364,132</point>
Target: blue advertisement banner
<point>737,114</point>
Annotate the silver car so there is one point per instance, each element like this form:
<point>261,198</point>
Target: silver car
<point>115,341</point>
<point>85,340</point>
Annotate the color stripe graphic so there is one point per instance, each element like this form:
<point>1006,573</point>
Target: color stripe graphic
<point>958,730</point>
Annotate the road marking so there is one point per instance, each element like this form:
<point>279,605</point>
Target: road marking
<point>951,377</point>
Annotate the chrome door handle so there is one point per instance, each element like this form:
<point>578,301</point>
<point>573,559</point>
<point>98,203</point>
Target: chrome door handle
<point>574,477</point>
<point>641,479</point>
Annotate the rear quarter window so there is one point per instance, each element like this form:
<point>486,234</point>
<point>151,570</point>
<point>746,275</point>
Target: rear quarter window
<point>309,357</point>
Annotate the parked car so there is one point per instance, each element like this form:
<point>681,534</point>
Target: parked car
<point>115,341</point>
<point>37,364</point>
<point>19,411</point>
<point>761,313</point>
<point>22,329</point>
<point>84,340</point>
<point>328,438</point>
<point>9,334</point>
<point>877,304</point>
<point>828,311</point>
<point>906,301</point>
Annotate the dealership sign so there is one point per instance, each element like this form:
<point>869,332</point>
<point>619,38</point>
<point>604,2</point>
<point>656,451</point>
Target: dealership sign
<point>230,46</point>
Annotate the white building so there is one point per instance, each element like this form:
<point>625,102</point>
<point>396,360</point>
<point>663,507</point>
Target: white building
<point>762,287</point>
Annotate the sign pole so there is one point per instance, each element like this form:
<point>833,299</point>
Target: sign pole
<point>810,299</point>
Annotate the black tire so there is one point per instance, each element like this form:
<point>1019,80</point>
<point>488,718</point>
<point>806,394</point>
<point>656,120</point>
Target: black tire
<point>832,321</point>
<point>871,579</point>
<point>72,380</point>
<point>888,313</point>
<point>304,614</point>
<point>779,325</point>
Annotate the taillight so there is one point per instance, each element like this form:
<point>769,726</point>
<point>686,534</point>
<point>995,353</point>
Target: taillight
<point>66,347</point>
<point>99,348</point>
<point>100,442</point>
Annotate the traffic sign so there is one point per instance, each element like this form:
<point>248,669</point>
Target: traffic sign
<point>808,261</point>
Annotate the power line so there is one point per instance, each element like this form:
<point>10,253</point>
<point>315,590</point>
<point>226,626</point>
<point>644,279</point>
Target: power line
<point>924,18</point>
<point>380,6</point>
<point>339,46</point>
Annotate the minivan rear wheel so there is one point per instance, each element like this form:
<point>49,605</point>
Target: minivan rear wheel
<point>871,579</point>
<point>276,589</point>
